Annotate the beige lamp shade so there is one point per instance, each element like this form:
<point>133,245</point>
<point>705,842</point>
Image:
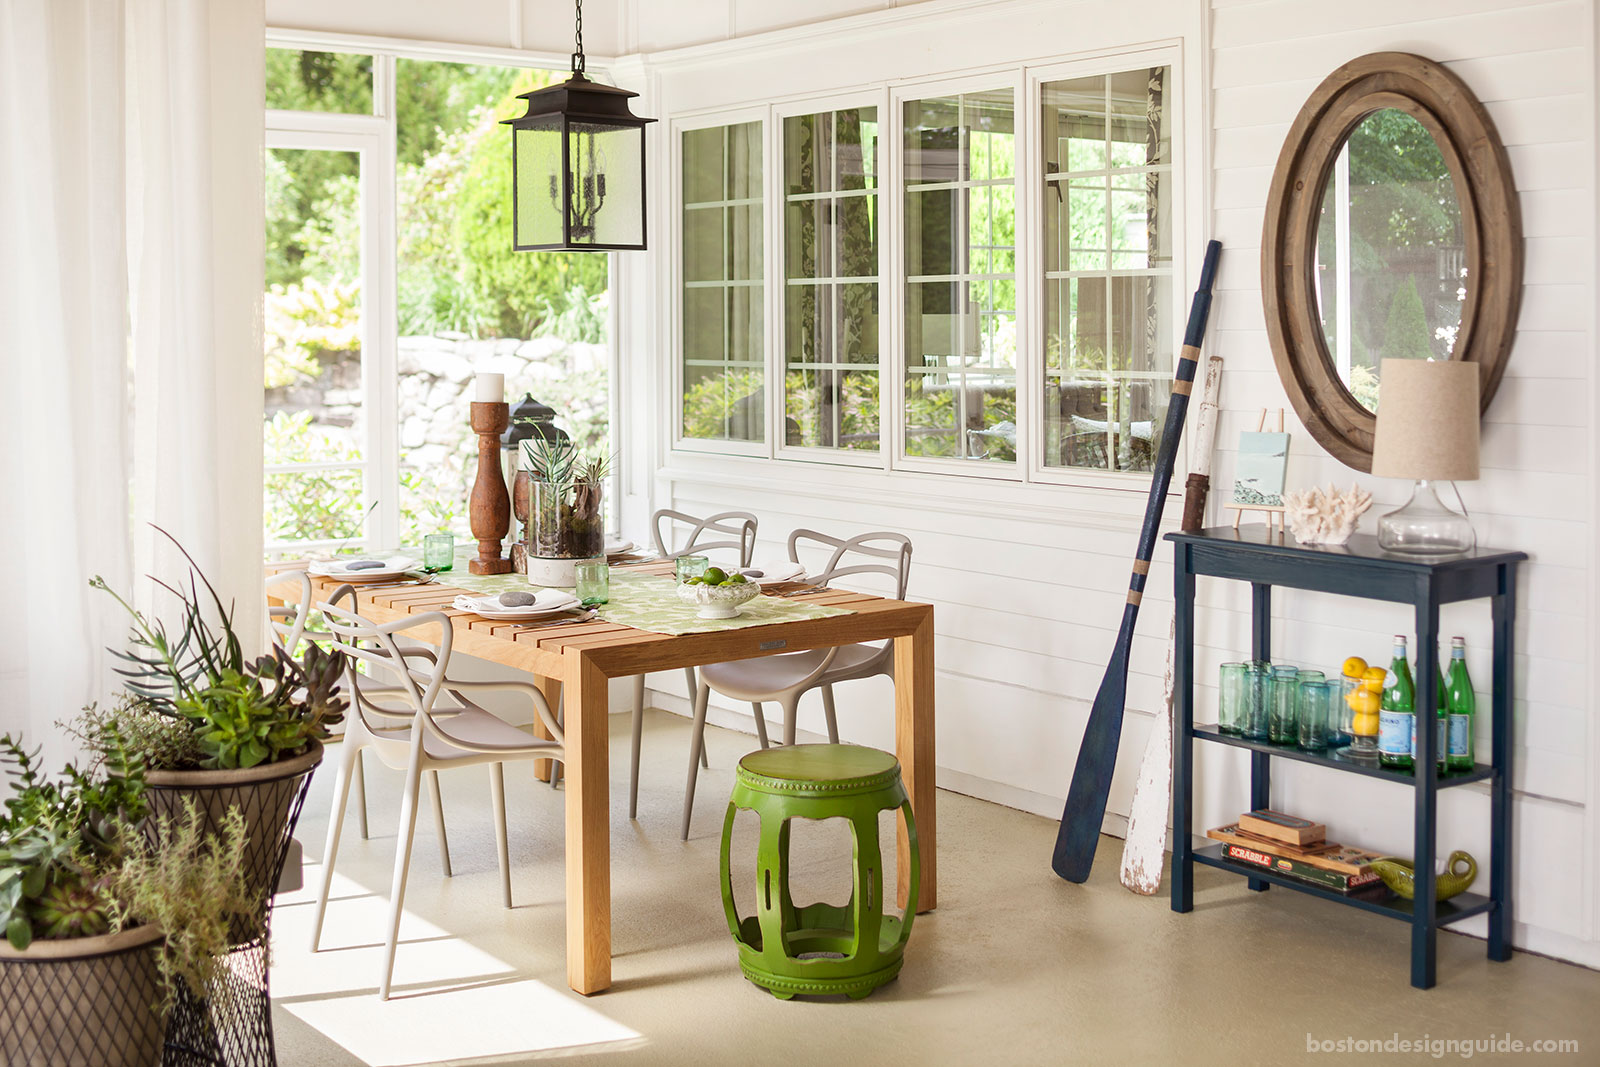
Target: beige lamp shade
<point>1427,420</point>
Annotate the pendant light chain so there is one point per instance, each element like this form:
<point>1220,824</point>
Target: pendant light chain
<point>577,57</point>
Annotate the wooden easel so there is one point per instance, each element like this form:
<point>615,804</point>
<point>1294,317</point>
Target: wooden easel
<point>1273,512</point>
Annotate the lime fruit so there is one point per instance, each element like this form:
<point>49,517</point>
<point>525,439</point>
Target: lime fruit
<point>715,576</point>
<point>736,579</point>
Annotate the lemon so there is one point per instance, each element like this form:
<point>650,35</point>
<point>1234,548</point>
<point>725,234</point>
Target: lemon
<point>1375,674</point>
<point>714,576</point>
<point>1355,667</point>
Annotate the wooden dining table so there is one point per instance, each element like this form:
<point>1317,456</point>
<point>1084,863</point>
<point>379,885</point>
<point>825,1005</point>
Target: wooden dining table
<point>579,659</point>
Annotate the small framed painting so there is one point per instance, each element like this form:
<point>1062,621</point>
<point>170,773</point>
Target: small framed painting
<point>1259,475</point>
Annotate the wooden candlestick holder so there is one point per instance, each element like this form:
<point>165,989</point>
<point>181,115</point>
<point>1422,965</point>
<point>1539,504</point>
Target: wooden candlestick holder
<point>490,504</point>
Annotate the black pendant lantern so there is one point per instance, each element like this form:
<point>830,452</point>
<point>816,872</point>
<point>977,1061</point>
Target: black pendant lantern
<point>577,167</point>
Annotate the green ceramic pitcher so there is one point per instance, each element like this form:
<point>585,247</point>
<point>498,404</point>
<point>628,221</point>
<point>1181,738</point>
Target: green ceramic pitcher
<point>1397,874</point>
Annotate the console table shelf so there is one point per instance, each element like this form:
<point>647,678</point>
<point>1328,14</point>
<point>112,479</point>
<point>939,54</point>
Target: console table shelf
<point>1265,559</point>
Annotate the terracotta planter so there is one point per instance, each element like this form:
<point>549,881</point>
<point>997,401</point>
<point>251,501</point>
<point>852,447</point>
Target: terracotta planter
<point>82,1002</point>
<point>269,795</point>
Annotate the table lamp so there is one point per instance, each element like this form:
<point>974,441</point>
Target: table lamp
<point>1427,431</point>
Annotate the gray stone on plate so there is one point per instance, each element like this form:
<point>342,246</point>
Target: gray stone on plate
<point>516,600</point>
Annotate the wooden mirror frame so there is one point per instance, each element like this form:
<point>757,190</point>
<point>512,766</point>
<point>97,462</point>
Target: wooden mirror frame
<point>1490,214</point>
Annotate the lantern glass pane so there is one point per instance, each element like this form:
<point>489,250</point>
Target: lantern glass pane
<point>607,184</point>
<point>538,163</point>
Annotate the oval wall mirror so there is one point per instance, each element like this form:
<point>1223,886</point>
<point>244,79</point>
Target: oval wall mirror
<point>1392,232</point>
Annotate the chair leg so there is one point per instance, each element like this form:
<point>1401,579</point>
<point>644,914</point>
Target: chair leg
<point>697,740</point>
<point>827,710</point>
<point>789,702</point>
<point>638,735</point>
<point>438,820</point>
<point>497,797</point>
<point>694,684</point>
<point>341,798</point>
<point>358,782</point>
<point>558,768</point>
<point>402,866</point>
<point>761,725</point>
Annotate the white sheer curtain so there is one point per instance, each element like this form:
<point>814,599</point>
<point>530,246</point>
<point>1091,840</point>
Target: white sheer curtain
<point>130,140</point>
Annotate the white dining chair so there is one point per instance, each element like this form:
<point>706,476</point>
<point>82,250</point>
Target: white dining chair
<point>740,528</point>
<point>287,623</point>
<point>423,723</point>
<point>787,678</point>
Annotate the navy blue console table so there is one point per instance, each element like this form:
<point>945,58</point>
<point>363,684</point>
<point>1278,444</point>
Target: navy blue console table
<point>1358,569</point>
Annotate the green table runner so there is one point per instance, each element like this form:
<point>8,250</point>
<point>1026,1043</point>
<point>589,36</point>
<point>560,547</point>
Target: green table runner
<point>650,602</point>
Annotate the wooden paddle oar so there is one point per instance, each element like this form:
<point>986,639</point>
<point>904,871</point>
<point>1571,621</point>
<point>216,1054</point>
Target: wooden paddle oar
<point>1097,756</point>
<point>1146,844</point>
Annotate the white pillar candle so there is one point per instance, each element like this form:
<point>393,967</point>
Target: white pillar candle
<point>491,388</point>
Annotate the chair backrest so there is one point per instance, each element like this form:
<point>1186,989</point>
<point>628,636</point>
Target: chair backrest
<point>853,556</point>
<point>286,623</point>
<point>420,672</point>
<point>740,524</point>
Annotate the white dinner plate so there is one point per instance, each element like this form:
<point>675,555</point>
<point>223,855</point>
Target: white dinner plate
<point>546,602</point>
<point>393,567</point>
<point>617,548</point>
<point>774,572</point>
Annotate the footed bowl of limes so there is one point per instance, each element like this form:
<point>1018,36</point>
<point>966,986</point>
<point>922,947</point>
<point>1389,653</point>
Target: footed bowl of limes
<point>718,593</point>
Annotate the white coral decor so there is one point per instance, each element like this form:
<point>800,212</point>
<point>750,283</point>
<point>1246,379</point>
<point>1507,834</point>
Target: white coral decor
<point>1325,516</point>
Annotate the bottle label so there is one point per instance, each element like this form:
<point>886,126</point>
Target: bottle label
<point>1441,735</point>
<point>1460,735</point>
<point>1394,732</point>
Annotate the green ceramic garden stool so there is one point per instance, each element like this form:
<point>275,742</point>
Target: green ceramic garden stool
<point>819,948</point>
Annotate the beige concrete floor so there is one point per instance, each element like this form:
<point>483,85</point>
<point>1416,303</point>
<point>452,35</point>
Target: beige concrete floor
<point>1015,966</point>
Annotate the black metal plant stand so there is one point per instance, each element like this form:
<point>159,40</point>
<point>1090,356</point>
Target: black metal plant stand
<point>232,1025</point>
<point>1358,569</point>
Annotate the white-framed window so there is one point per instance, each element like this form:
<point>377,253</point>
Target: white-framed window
<point>1107,228</point>
<point>959,166</point>
<point>830,244</point>
<point>722,284</point>
<point>392,280</point>
<point>1020,336</point>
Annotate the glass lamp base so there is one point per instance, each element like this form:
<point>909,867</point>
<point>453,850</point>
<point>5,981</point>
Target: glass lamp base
<point>1425,526</point>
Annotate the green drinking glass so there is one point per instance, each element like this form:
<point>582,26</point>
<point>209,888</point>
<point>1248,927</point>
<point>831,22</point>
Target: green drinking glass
<point>594,582</point>
<point>439,551</point>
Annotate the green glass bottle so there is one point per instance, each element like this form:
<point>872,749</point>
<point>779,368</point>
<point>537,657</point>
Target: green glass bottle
<point>1463,708</point>
<point>1441,721</point>
<point>1396,712</point>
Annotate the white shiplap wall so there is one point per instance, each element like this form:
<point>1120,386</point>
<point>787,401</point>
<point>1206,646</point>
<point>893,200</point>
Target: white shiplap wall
<point>1024,630</point>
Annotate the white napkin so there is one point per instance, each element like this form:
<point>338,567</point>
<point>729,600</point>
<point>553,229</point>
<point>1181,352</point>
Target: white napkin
<point>339,568</point>
<point>774,570</point>
<point>543,600</point>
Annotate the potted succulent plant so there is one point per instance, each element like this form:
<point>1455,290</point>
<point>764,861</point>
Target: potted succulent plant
<point>566,522</point>
<point>217,729</point>
<point>107,912</point>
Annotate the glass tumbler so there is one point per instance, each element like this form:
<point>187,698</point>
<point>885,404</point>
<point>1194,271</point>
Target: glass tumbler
<point>1258,698</point>
<point>1314,707</point>
<point>1341,716</point>
<point>1230,698</point>
<point>439,551</point>
<point>686,567</point>
<point>594,581</point>
<point>1284,722</point>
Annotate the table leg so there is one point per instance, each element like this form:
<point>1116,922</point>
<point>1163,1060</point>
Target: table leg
<point>1183,724</point>
<point>913,721</point>
<point>1504,610</point>
<point>1260,762</point>
<point>551,688</point>
<point>588,827</point>
<point>1425,828</point>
